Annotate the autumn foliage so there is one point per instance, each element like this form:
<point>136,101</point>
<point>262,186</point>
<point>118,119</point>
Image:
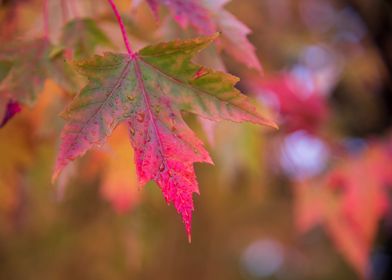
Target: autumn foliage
<point>116,95</point>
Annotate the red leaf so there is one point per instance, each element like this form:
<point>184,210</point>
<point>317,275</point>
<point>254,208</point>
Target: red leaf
<point>300,107</point>
<point>349,201</point>
<point>209,16</point>
<point>187,12</point>
<point>148,91</point>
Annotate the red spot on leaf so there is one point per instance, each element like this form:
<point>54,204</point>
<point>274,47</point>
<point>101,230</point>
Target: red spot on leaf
<point>201,72</point>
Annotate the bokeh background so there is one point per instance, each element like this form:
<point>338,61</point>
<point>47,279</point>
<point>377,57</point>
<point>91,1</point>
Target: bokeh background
<point>310,201</point>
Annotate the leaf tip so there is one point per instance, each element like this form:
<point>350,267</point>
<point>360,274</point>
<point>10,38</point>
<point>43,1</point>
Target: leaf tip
<point>217,34</point>
<point>55,175</point>
<point>214,36</point>
<point>209,38</point>
<point>56,172</point>
<point>273,125</point>
<point>64,114</point>
<point>257,66</point>
<point>12,108</point>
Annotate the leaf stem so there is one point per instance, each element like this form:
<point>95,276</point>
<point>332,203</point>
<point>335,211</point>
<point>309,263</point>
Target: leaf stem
<point>122,27</point>
<point>46,19</point>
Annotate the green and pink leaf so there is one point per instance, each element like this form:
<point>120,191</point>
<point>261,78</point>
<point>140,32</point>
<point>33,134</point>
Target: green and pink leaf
<point>148,91</point>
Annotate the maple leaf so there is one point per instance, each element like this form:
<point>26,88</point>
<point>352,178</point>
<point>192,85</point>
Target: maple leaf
<point>148,90</point>
<point>349,201</point>
<point>21,83</point>
<point>82,36</point>
<point>186,12</point>
<point>33,63</point>
<point>234,34</point>
<point>209,16</point>
<point>24,67</point>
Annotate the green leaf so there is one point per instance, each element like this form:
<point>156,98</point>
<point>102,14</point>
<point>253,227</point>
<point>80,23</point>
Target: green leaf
<point>83,36</point>
<point>62,73</point>
<point>33,63</point>
<point>27,76</point>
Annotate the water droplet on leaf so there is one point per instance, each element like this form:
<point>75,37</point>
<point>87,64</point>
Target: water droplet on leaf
<point>140,117</point>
